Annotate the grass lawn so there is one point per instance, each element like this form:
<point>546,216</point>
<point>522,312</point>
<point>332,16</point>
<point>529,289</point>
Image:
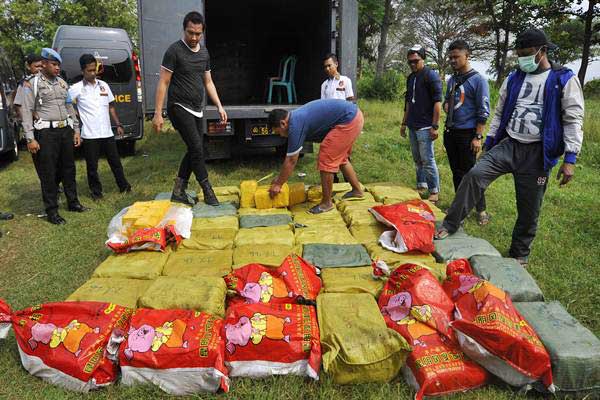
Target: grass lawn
<point>40,262</point>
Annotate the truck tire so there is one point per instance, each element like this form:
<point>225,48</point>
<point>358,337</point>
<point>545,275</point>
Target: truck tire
<point>13,155</point>
<point>126,147</point>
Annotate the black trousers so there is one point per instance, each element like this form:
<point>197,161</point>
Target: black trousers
<point>55,162</point>
<point>93,149</point>
<point>461,158</point>
<point>525,162</point>
<point>191,130</point>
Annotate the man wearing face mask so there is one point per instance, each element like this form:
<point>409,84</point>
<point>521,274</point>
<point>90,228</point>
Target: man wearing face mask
<point>422,109</point>
<point>539,117</point>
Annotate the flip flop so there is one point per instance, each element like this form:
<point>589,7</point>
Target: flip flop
<point>483,218</point>
<point>352,196</point>
<point>318,210</point>
<point>441,234</point>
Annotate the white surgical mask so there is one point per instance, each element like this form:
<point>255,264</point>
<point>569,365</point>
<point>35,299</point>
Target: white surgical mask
<point>528,64</point>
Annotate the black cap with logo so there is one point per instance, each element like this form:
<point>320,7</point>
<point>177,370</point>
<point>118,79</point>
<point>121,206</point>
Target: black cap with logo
<point>533,38</point>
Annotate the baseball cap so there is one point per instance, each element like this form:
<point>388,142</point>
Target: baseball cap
<point>417,49</point>
<point>51,55</point>
<point>533,38</point>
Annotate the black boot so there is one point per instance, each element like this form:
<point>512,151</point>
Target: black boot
<point>179,195</point>
<point>210,197</point>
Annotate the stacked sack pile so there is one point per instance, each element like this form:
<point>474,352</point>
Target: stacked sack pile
<point>371,297</point>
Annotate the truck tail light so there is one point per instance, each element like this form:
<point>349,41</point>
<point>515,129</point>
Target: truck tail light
<point>217,127</point>
<point>138,75</point>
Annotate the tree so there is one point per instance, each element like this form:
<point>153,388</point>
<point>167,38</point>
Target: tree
<point>590,35</point>
<point>568,35</point>
<point>385,28</point>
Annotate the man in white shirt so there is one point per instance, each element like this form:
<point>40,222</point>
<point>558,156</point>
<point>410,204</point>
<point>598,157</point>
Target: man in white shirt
<point>336,86</point>
<point>94,101</point>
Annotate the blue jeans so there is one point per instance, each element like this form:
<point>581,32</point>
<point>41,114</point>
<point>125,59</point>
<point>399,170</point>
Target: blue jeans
<point>422,151</point>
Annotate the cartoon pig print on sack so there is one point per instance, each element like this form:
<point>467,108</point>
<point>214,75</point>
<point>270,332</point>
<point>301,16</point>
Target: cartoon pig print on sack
<point>255,329</point>
<point>480,289</point>
<point>266,287</point>
<point>400,310</point>
<point>147,338</point>
<point>70,336</point>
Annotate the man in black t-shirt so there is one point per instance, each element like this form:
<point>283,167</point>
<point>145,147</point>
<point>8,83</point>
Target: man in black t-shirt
<point>185,71</point>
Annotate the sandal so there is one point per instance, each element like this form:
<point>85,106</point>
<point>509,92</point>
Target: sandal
<point>318,210</point>
<point>351,195</point>
<point>434,198</point>
<point>483,218</point>
<point>441,234</point>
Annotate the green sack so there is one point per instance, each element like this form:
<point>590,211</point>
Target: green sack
<point>134,265</point>
<point>336,255</point>
<point>453,248</point>
<point>202,210</point>
<point>254,221</point>
<point>124,292</point>
<point>574,350</point>
<point>200,294</point>
<point>357,345</point>
<point>351,280</point>
<point>167,195</point>
<point>508,275</point>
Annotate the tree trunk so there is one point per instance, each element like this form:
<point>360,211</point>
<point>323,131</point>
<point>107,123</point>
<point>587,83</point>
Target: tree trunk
<point>382,47</point>
<point>587,40</point>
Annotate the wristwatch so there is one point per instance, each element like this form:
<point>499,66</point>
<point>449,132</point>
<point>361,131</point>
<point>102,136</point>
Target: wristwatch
<point>30,140</point>
<point>435,126</point>
<point>479,136</point>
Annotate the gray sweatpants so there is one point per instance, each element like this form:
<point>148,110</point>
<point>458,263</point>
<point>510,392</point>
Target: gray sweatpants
<point>525,162</point>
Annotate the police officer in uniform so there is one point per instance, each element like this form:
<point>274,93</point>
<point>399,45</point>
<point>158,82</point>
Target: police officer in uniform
<point>52,128</point>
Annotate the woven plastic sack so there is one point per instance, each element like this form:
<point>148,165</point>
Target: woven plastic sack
<point>280,235</point>
<point>327,219</point>
<point>351,280</point>
<point>413,223</point>
<point>269,254</point>
<point>340,203</point>
<point>396,259</point>
<point>214,239</point>
<point>574,350</point>
<point>314,194</point>
<point>124,292</point>
<point>201,210</point>
<point>437,213</point>
<point>272,339</point>
<point>199,263</point>
<point>226,190</point>
<point>167,195</point>
<point>262,199</point>
<point>247,191</point>
<point>336,255</point>
<point>255,221</point>
<point>395,193</point>
<point>294,280</point>
<point>507,274</point>
<point>357,345</point>
<point>225,222</point>
<point>297,193</point>
<point>206,294</point>
<point>264,211</point>
<point>359,217</point>
<point>367,234</point>
<point>491,331</point>
<point>323,234</point>
<point>180,351</point>
<point>462,246</point>
<point>134,265</point>
<point>69,344</point>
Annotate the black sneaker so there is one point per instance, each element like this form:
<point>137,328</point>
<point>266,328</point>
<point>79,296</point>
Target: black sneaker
<point>56,219</point>
<point>97,196</point>
<point>126,189</point>
<point>78,208</point>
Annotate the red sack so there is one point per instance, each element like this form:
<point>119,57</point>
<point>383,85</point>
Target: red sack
<point>295,280</point>
<point>414,304</point>
<point>277,339</point>
<point>181,351</point>
<point>69,344</point>
<point>155,239</point>
<point>414,223</point>
<point>492,332</point>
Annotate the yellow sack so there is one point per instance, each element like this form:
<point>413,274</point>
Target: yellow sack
<point>396,259</point>
<point>351,280</point>
<point>271,255</point>
<point>297,193</point>
<point>341,204</point>
<point>357,217</point>
<point>367,234</point>
<point>357,345</point>
<point>278,234</point>
<point>215,239</point>
<point>124,292</point>
<point>324,234</point>
<point>227,222</point>
<point>264,211</point>
<point>247,191</point>
<point>200,263</point>
<point>206,294</point>
<point>329,218</point>
<point>226,190</point>
<point>264,200</point>
<point>314,194</point>
<point>394,193</point>
<point>229,198</point>
<point>134,265</point>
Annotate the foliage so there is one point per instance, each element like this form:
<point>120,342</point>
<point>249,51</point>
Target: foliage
<point>389,87</point>
<point>592,89</point>
<point>568,36</point>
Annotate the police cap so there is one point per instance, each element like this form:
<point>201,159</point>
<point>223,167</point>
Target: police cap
<point>51,55</point>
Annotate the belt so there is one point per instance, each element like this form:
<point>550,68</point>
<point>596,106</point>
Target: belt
<point>42,124</point>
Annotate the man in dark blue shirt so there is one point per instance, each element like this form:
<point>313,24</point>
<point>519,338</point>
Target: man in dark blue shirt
<point>335,124</point>
<point>422,109</point>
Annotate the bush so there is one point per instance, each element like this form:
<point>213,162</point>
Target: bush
<point>591,90</point>
<point>389,87</point>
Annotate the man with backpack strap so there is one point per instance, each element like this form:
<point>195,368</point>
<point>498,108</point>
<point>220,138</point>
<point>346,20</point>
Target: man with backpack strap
<point>467,106</point>
<point>422,109</point>
<point>538,118</point>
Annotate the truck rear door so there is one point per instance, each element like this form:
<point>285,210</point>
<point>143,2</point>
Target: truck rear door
<point>160,24</point>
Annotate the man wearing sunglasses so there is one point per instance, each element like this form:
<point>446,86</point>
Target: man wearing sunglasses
<point>422,109</point>
<point>538,118</point>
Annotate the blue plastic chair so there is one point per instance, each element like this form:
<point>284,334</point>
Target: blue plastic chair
<point>285,81</point>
